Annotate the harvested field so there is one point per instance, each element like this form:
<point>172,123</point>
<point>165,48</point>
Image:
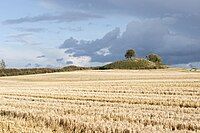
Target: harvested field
<point>102,101</point>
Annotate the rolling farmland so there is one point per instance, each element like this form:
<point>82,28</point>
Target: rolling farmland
<point>102,101</point>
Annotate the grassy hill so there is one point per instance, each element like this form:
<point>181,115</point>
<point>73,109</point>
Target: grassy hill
<point>134,64</point>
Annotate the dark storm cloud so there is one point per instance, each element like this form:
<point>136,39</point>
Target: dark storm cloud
<point>170,28</point>
<point>65,17</point>
<point>90,47</point>
<point>151,35</point>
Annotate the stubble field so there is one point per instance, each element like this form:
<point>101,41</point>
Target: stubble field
<point>101,101</point>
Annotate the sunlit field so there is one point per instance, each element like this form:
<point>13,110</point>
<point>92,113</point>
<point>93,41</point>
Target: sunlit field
<point>102,101</point>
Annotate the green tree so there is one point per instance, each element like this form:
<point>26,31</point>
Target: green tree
<point>2,64</point>
<point>130,53</point>
<point>154,58</point>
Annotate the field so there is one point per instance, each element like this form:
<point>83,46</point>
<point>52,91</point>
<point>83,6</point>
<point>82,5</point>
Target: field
<point>102,101</point>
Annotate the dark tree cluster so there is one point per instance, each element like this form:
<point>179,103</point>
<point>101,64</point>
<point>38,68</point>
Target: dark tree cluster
<point>131,53</point>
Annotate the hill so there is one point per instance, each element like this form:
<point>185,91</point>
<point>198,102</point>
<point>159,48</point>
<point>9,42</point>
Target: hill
<point>134,64</point>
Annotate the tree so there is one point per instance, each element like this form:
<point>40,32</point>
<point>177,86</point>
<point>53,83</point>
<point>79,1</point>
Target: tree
<point>2,64</point>
<point>130,53</point>
<point>154,58</point>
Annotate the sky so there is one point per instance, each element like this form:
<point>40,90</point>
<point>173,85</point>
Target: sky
<point>56,33</point>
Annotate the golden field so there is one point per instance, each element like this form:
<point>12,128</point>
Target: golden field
<point>111,101</point>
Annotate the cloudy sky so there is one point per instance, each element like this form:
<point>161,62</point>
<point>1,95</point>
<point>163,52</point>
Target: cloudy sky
<point>40,33</point>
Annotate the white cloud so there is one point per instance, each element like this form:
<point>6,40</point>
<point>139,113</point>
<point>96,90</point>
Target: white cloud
<point>103,51</point>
